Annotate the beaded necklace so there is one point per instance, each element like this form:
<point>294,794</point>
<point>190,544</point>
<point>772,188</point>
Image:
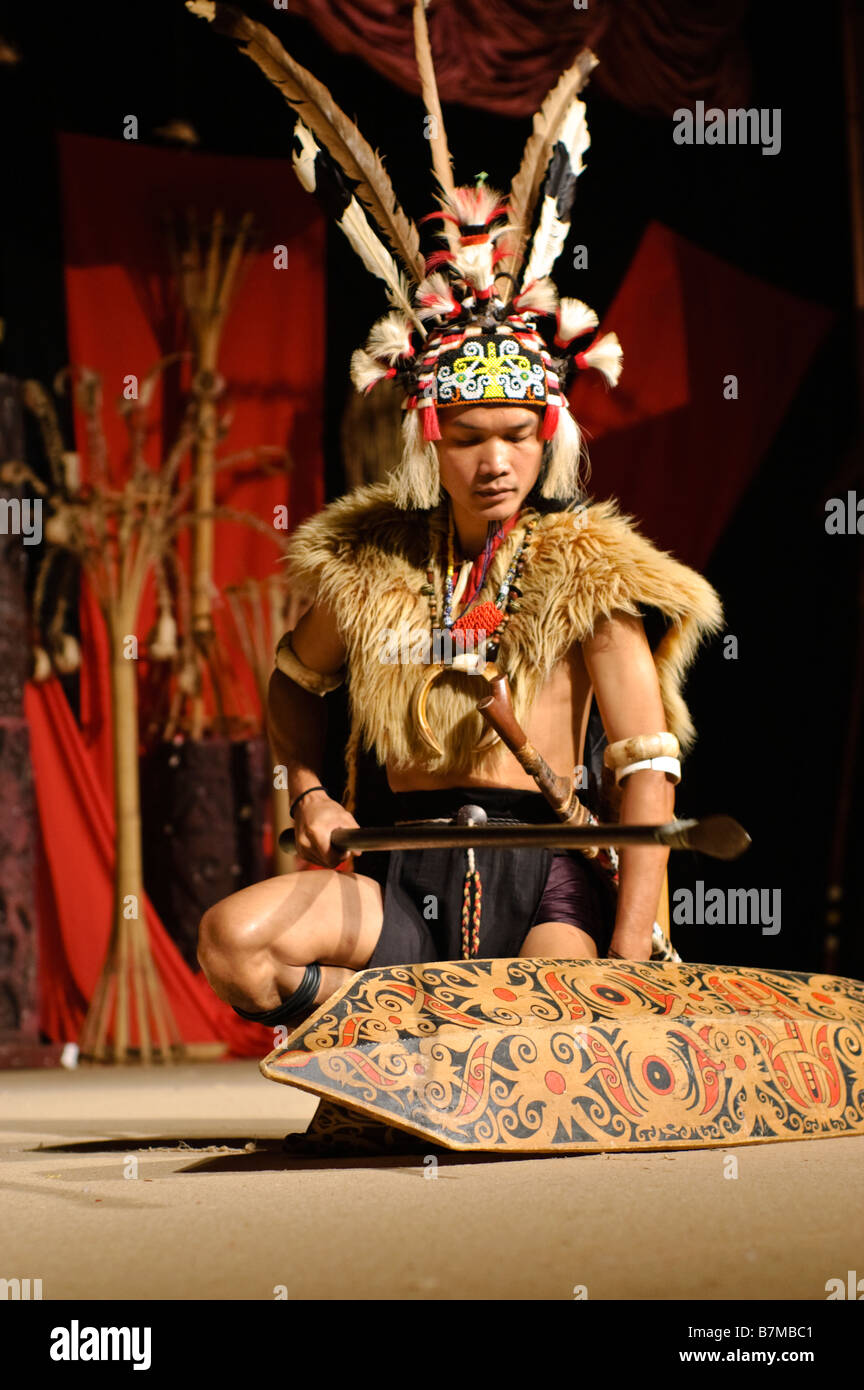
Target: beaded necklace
<point>488,617</point>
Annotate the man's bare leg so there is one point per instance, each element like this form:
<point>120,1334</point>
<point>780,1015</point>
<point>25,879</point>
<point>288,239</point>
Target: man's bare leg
<point>255,945</point>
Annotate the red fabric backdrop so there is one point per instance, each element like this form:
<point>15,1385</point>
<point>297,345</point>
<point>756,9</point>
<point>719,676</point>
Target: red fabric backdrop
<point>120,321</point>
<point>666,442</point>
<point>75,893</point>
<point>504,55</point>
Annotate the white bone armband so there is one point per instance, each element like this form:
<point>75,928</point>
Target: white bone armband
<point>671,766</point>
<point>640,747</point>
<point>291,666</point>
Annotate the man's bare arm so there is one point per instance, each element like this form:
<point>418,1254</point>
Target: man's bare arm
<point>296,718</point>
<point>624,676</point>
<point>297,724</point>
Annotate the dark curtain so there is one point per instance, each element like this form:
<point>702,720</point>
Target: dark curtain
<point>504,55</point>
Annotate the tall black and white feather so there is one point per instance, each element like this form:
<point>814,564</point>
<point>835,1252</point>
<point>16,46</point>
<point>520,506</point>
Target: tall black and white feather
<point>558,193</point>
<point>329,124</point>
<point>320,175</point>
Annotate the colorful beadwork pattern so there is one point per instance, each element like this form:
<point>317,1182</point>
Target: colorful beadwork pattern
<point>551,1056</point>
<point>495,369</point>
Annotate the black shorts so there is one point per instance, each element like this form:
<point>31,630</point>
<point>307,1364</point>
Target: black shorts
<point>423,889</point>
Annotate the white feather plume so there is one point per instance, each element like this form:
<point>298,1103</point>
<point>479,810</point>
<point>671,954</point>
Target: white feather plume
<point>472,205</point>
<point>605,356</point>
<point>474,264</point>
<point>390,338</point>
<point>574,319</point>
<point>435,297</point>
<point>539,298</point>
<point>365,371</point>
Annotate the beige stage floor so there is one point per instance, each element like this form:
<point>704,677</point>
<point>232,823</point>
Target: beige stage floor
<point>217,1211</point>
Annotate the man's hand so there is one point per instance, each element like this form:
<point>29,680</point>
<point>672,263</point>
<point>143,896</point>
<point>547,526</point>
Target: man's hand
<point>317,816</point>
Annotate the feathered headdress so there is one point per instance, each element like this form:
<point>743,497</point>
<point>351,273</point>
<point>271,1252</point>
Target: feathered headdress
<point>480,320</point>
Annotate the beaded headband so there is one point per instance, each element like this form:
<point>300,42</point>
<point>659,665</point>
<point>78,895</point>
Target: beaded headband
<point>491,367</point>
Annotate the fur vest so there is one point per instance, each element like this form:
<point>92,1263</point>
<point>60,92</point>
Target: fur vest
<point>367,560</point>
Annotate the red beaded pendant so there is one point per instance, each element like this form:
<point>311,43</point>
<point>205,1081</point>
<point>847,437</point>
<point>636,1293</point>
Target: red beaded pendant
<point>486,617</point>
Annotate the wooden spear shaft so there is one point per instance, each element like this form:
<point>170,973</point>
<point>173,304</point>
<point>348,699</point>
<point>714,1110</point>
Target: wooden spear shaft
<point>497,710</point>
<point>719,836</point>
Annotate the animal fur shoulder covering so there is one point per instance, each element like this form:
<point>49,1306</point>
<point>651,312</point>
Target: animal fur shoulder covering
<point>366,560</point>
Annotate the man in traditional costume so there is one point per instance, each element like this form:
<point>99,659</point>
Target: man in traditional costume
<point>480,558</point>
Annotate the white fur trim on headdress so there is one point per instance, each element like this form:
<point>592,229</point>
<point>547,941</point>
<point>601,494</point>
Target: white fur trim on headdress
<point>566,469</point>
<point>417,480</point>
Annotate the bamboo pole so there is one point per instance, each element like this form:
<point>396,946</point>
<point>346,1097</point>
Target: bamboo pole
<point>206,289</point>
<point>128,972</point>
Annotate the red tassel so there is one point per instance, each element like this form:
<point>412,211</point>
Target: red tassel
<point>550,421</point>
<point>579,357</point>
<point>431,427</point>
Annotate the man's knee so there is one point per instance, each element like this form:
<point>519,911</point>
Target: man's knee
<point>237,962</point>
<point>217,933</point>
<point>225,952</point>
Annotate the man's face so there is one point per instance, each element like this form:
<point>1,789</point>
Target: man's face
<point>489,457</point>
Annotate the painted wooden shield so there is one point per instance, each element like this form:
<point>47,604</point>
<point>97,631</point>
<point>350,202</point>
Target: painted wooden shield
<point>550,1056</point>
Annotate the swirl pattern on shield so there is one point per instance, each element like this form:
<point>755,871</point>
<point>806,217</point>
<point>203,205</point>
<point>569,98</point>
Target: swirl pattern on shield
<point>557,1056</point>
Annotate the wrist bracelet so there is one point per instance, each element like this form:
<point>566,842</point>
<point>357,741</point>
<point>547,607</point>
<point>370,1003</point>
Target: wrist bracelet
<point>319,788</point>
